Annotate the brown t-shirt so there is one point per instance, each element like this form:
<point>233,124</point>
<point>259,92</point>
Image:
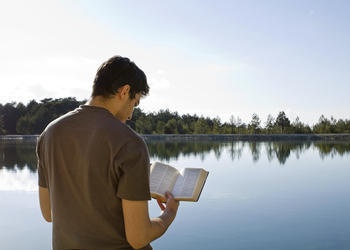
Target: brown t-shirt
<point>89,161</point>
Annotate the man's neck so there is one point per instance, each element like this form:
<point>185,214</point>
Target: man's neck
<point>99,101</point>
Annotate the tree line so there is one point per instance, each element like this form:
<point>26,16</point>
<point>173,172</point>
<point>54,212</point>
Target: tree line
<point>17,118</point>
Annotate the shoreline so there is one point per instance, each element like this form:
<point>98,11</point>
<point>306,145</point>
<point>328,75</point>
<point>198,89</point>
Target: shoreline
<point>249,137</point>
<point>218,137</point>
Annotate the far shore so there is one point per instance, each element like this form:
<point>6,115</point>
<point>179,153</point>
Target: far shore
<point>219,137</point>
<point>250,137</point>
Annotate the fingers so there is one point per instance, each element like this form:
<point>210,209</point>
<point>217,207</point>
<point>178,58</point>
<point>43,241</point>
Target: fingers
<point>160,204</point>
<point>171,203</point>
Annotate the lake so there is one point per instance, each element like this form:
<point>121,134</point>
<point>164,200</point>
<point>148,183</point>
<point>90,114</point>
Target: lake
<point>258,195</point>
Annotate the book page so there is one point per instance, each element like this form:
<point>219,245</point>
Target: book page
<point>162,178</point>
<point>186,183</point>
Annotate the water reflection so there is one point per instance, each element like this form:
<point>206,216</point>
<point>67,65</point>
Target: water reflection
<point>20,154</point>
<point>272,150</point>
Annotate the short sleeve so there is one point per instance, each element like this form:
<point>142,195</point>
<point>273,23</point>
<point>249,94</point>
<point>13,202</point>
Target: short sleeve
<point>42,180</point>
<point>133,165</point>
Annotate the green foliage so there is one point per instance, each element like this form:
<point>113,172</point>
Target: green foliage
<point>282,122</point>
<point>33,118</point>
<point>300,128</point>
<point>10,114</point>
<point>269,128</point>
<point>2,128</point>
<point>254,125</point>
<point>332,126</point>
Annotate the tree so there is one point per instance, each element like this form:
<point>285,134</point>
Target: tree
<point>36,116</point>
<point>166,115</point>
<point>188,123</point>
<point>2,130</point>
<point>144,125</point>
<point>342,126</point>
<point>160,127</point>
<point>269,125</point>
<point>254,125</point>
<point>216,126</point>
<point>282,121</point>
<point>323,125</point>
<point>236,124</point>
<point>201,126</point>
<point>299,127</point>
<point>11,112</point>
<point>171,127</point>
<point>232,123</point>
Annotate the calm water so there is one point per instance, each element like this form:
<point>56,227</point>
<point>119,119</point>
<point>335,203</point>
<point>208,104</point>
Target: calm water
<point>257,196</point>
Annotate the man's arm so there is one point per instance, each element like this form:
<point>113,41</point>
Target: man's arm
<point>44,200</point>
<point>139,228</point>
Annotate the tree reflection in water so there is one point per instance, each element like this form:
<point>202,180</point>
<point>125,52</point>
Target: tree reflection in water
<point>19,154</point>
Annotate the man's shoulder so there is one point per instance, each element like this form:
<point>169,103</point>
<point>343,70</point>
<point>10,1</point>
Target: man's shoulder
<point>131,136</point>
<point>61,119</point>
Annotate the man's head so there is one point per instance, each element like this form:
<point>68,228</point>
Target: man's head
<point>117,72</point>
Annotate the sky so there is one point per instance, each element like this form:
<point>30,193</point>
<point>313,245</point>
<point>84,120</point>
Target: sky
<point>211,58</point>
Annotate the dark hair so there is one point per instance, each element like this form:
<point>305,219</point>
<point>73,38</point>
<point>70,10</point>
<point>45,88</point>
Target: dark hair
<point>117,72</point>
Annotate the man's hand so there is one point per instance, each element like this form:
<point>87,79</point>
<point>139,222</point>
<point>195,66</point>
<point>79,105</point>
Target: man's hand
<point>171,203</point>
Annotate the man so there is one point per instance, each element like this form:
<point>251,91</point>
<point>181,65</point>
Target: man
<point>94,170</point>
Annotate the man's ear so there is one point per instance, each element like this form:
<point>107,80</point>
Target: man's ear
<point>124,91</point>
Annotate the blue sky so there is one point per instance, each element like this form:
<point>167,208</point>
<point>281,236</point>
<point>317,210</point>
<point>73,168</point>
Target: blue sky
<point>211,58</point>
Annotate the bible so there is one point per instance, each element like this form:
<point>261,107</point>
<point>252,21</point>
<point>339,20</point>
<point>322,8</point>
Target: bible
<point>185,185</point>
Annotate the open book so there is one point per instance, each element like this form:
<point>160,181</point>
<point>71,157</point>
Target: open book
<point>185,185</point>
